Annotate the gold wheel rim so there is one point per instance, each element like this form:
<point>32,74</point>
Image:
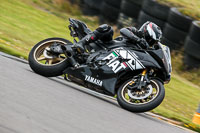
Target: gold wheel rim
<point>128,99</point>
<point>42,56</point>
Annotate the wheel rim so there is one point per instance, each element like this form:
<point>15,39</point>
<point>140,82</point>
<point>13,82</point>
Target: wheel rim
<point>44,57</point>
<point>143,96</point>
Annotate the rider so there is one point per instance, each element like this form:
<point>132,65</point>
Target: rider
<point>148,35</point>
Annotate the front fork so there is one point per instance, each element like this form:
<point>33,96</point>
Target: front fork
<point>143,74</point>
<point>142,81</point>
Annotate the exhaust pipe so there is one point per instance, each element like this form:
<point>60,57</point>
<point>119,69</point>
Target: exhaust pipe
<point>69,54</point>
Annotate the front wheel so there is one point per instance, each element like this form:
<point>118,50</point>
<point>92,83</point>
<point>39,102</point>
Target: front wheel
<point>46,63</point>
<point>142,100</point>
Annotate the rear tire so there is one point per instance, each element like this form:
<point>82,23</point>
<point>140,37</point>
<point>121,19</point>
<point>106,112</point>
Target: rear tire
<point>47,70</point>
<point>141,107</point>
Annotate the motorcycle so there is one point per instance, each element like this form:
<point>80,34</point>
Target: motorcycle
<point>137,76</point>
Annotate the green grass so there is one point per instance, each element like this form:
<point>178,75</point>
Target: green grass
<point>180,68</point>
<point>181,100</point>
<point>182,93</point>
<point>23,23</point>
<point>190,7</point>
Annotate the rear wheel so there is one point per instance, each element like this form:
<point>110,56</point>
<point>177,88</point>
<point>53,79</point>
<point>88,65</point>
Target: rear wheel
<point>46,63</point>
<point>142,100</point>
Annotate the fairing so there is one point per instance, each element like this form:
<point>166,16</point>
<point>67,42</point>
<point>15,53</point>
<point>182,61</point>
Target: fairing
<point>167,58</point>
<point>163,58</point>
<point>167,61</point>
<point>117,59</point>
<point>102,77</point>
<point>104,69</point>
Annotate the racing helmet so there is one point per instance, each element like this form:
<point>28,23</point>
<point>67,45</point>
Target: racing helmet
<point>104,33</point>
<point>152,33</point>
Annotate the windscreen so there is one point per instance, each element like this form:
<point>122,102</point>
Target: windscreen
<point>167,58</point>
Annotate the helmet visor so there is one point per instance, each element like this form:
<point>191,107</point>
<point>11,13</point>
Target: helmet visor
<point>150,40</point>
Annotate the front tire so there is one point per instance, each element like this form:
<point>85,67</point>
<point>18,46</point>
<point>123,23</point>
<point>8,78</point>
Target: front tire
<point>48,67</point>
<point>141,105</point>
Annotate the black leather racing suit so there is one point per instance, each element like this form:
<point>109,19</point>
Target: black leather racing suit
<point>134,36</point>
<point>131,34</point>
<point>103,32</point>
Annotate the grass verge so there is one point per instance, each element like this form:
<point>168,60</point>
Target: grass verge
<point>181,101</point>
<point>190,7</point>
<point>24,23</point>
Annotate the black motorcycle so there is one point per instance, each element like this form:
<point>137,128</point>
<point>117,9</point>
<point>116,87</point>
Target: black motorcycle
<point>135,75</point>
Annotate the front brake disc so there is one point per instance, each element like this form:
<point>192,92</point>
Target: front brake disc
<point>137,94</point>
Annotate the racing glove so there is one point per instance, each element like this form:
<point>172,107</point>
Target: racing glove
<point>85,41</point>
<point>143,43</point>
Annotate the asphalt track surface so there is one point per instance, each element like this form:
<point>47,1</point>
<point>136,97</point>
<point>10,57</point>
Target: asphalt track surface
<point>30,103</point>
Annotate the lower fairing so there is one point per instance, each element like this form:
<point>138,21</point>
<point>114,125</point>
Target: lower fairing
<point>100,78</point>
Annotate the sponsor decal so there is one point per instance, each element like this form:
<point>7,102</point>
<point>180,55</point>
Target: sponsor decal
<point>116,65</point>
<point>93,80</point>
<point>133,63</point>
